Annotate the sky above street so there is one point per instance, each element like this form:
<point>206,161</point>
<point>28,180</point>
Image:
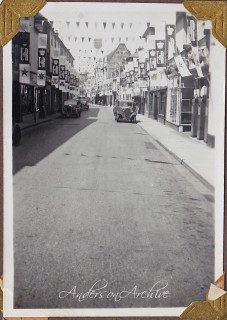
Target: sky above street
<point>80,23</point>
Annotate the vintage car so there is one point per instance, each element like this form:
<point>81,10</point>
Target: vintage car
<point>84,103</point>
<point>71,107</point>
<point>125,110</point>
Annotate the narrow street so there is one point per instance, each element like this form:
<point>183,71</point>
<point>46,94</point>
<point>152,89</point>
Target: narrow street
<point>95,199</point>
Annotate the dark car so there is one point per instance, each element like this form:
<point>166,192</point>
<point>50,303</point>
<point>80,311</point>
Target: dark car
<point>71,107</point>
<point>125,110</point>
<point>84,103</point>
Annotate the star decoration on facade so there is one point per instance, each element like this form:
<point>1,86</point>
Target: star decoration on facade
<point>24,72</point>
<point>41,76</point>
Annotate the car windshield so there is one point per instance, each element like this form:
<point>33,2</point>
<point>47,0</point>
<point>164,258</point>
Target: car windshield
<point>125,104</point>
<point>71,101</point>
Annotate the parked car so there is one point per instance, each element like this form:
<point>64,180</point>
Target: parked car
<point>125,110</point>
<point>84,102</point>
<point>72,107</point>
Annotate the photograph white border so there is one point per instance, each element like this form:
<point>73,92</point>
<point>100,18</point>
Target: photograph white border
<point>218,61</point>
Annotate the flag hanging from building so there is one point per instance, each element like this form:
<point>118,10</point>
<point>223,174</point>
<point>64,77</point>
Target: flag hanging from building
<point>42,59</point>
<point>62,73</point>
<point>66,78</point>
<point>142,70</point>
<point>195,52</point>
<point>192,30</point>
<point>24,53</point>
<point>41,78</point>
<point>183,69</point>
<point>55,72</point>
<point>24,73</point>
<point>160,53</point>
<point>170,41</point>
<point>22,39</point>
<point>152,60</point>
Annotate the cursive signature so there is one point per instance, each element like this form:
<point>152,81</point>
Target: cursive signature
<point>99,290</point>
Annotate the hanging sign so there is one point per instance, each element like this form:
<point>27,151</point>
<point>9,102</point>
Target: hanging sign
<point>192,30</point>
<point>24,53</point>
<point>142,70</point>
<point>24,67</point>
<point>42,59</point>
<point>55,72</point>
<point>160,53</point>
<point>152,60</point>
<point>24,70</point>
<point>170,41</point>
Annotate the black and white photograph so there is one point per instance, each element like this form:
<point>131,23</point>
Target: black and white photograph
<point>114,201</point>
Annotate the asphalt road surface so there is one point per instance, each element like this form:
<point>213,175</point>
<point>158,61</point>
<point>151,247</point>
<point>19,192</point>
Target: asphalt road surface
<point>104,217</point>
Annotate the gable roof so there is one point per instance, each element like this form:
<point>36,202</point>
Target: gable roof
<point>149,31</point>
<point>111,54</point>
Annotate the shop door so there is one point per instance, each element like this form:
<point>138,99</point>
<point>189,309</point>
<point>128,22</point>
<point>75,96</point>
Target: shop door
<point>155,107</point>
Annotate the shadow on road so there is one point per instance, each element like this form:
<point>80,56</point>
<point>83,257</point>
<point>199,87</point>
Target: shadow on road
<point>38,142</point>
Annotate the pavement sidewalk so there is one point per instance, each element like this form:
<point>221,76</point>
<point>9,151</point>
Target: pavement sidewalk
<point>190,152</point>
<point>28,120</point>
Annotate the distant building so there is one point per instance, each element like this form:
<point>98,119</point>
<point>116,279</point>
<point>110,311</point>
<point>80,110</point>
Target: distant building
<point>115,60</point>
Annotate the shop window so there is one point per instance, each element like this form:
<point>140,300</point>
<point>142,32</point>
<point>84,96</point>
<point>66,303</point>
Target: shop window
<point>27,98</point>
<point>173,105</point>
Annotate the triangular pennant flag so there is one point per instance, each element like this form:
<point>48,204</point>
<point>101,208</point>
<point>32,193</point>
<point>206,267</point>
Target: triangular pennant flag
<point>78,24</point>
<point>122,25</point>
<point>148,24</point>
<point>68,23</point>
<point>130,25</point>
<point>86,24</point>
<point>113,24</point>
<point>104,25</point>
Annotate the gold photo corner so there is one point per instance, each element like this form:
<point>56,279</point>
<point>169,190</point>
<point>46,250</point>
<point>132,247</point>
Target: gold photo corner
<point>216,11</point>
<point>10,13</point>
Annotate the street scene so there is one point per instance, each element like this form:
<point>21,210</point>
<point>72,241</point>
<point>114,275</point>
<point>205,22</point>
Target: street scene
<point>113,158</point>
